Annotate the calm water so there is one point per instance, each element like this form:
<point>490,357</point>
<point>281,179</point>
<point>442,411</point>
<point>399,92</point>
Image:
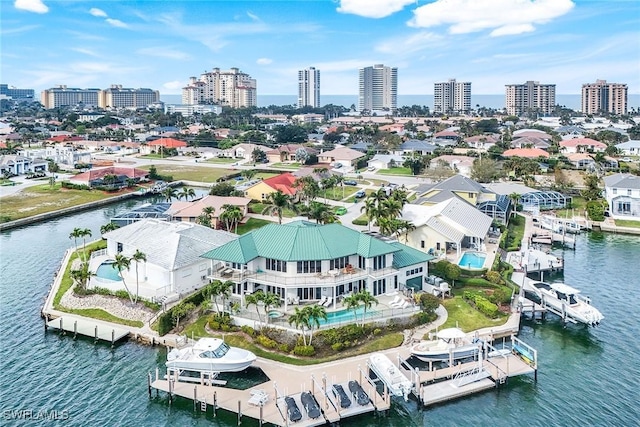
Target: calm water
<point>586,377</point>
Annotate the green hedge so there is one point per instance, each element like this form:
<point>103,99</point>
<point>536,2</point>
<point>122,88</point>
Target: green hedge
<point>304,350</point>
<point>165,320</point>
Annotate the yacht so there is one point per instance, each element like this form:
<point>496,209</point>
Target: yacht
<point>450,344</point>
<point>565,301</point>
<point>210,355</point>
<point>397,383</point>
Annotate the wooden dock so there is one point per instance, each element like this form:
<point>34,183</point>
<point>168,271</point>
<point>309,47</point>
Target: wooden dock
<point>88,327</point>
<point>285,381</point>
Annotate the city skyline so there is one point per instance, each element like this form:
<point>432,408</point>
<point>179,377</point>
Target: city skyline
<point>490,43</point>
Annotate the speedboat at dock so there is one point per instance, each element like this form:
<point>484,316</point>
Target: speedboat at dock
<point>565,301</point>
<point>397,383</point>
<point>450,345</point>
<point>210,355</point>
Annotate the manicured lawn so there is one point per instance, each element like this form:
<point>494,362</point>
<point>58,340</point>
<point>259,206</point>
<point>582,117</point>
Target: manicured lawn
<point>265,175</point>
<point>336,193</point>
<point>286,165</point>
<point>43,198</point>
<point>191,173</point>
<point>259,207</point>
<point>96,313</point>
<point>627,223</point>
<point>395,171</point>
<point>578,206</point>
<point>252,224</point>
<point>223,160</point>
<point>467,318</point>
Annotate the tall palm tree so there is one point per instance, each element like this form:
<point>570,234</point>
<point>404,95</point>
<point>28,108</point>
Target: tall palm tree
<point>314,313</point>
<point>75,234</point>
<point>352,302</point>
<point>254,299</point>
<point>84,233</point>
<point>249,173</point>
<point>123,263</point>
<point>367,300</point>
<point>186,192</point>
<point>278,202</point>
<point>270,300</point>
<point>515,198</point>
<point>169,194</point>
<point>231,216</point>
<point>322,213</point>
<point>212,290</point>
<point>110,226</point>
<point>300,318</point>
<point>225,290</point>
<point>206,217</point>
<point>370,210</point>
<point>137,257</point>
<point>82,275</point>
<point>339,180</point>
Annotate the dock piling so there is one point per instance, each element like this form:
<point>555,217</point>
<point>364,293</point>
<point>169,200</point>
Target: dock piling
<point>149,383</point>
<point>239,413</point>
<point>75,329</point>
<point>215,402</point>
<point>95,335</point>
<point>113,337</point>
<point>195,397</point>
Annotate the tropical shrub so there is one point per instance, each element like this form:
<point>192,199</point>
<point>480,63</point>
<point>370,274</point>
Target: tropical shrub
<point>266,342</point>
<point>304,350</point>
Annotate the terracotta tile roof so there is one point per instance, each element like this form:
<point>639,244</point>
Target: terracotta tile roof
<point>587,142</point>
<point>526,152</point>
<point>93,174</point>
<point>168,143</point>
<point>283,182</point>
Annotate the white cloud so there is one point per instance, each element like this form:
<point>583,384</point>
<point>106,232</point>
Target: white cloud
<point>84,51</point>
<point>412,44</point>
<point>18,30</point>
<point>264,61</point>
<point>173,85</point>
<point>116,23</point>
<point>505,17</point>
<point>35,6</point>
<point>253,16</point>
<point>372,8</point>
<point>164,52</point>
<point>98,12</point>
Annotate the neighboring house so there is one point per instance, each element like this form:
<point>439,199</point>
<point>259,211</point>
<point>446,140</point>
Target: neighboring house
<point>19,165</point>
<point>385,161</point>
<point>172,249</point>
<point>581,145</point>
<point>204,152</point>
<point>530,142</point>
<point>312,261</point>
<point>573,131</point>
<point>529,153</point>
<point>414,146</point>
<point>497,206</point>
<point>482,142</point>
<point>245,151</point>
<point>581,160</point>
<point>622,192</point>
<point>459,164</point>
<point>522,133</point>
<point>157,145</point>
<point>260,190</point>
<point>447,134</point>
<point>190,211</point>
<point>449,225</point>
<point>60,154</point>
<point>286,153</point>
<point>347,157</point>
<point>95,177</point>
<point>629,148</point>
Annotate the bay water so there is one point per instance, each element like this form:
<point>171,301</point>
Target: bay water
<point>587,377</point>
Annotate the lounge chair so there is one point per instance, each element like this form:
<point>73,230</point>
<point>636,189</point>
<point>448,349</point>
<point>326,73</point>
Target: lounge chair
<point>258,397</point>
<point>404,305</point>
<point>328,302</point>
<point>396,300</point>
<point>322,300</point>
<point>398,304</point>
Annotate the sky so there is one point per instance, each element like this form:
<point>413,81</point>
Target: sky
<point>159,44</point>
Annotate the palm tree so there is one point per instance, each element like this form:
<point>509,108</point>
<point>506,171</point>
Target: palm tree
<point>367,300</point>
<point>314,313</point>
<point>322,213</point>
<point>249,173</point>
<point>231,216</point>
<point>339,180</point>
<point>270,300</point>
<point>515,198</point>
<point>370,210</point>
<point>300,318</point>
<point>224,290</point>
<point>75,234</point>
<point>279,201</point>
<point>137,257</point>
<point>110,226</point>
<point>84,233</point>
<point>352,302</point>
<point>186,193</point>
<point>326,184</point>
<point>207,216</point>
<point>82,275</point>
<point>212,290</point>
<point>254,299</point>
<point>123,263</point>
<point>169,193</point>
<point>308,188</point>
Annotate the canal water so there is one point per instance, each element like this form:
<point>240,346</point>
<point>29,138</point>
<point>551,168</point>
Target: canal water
<point>586,376</point>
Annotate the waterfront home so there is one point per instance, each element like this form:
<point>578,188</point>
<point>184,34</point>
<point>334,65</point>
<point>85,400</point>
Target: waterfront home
<point>260,190</point>
<point>190,211</point>
<point>304,262</point>
<point>581,145</point>
<point>497,206</point>
<point>13,164</point>
<point>451,225</point>
<point>96,177</point>
<point>173,266</point>
<point>158,145</point>
<point>622,192</point>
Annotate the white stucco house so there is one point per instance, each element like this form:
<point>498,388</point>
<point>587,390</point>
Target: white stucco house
<point>173,266</point>
<point>622,192</point>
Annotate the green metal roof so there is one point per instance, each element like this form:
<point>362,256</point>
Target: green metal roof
<point>407,256</point>
<point>300,241</point>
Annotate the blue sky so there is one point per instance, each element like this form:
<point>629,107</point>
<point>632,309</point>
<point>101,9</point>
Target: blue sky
<point>160,44</point>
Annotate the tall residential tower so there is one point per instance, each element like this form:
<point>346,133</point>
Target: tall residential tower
<point>602,97</point>
<point>231,88</point>
<point>452,97</point>
<point>378,89</point>
<point>309,88</point>
<point>529,98</point>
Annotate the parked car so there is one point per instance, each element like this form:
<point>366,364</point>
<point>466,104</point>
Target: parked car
<point>371,168</point>
<point>341,210</point>
<point>626,159</point>
<point>350,182</point>
<point>360,194</point>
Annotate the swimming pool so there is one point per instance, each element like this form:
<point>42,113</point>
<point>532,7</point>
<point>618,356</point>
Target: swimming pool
<point>472,260</point>
<point>344,316</point>
<point>107,270</point>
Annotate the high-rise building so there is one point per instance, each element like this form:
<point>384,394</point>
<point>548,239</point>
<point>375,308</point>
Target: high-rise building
<point>69,96</point>
<point>17,94</point>
<point>452,97</point>
<point>231,88</point>
<point>309,88</point>
<point>378,89</point>
<point>118,97</point>
<point>602,97</point>
<point>531,97</point>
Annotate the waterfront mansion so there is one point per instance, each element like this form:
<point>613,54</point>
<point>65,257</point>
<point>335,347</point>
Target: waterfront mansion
<point>304,262</point>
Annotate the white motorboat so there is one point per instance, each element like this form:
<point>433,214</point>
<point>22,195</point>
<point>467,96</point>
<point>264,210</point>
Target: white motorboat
<point>451,344</point>
<point>210,355</point>
<point>397,383</point>
<point>565,301</point>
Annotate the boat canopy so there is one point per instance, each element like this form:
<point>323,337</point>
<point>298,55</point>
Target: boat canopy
<point>451,334</point>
